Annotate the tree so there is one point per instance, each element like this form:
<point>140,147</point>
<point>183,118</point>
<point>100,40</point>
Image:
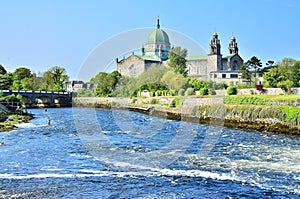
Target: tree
<point>5,81</point>
<point>296,74</point>
<point>268,66</point>
<point>271,77</point>
<point>27,83</point>
<point>177,60</point>
<point>253,66</point>
<point>2,70</point>
<point>196,84</point>
<point>246,73</point>
<point>21,73</point>
<point>54,79</point>
<point>152,75</point>
<point>125,87</point>
<point>84,93</point>
<point>106,83</point>
<point>287,62</point>
<point>173,80</point>
<point>18,75</point>
<point>284,75</point>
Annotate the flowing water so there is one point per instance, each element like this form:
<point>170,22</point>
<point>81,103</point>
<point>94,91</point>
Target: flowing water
<point>132,155</point>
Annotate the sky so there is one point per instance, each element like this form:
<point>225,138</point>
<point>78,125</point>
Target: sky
<point>42,34</point>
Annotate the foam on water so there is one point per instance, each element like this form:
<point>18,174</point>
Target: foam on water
<point>146,173</point>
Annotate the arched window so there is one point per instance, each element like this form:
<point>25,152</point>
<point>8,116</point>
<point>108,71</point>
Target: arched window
<point>235,65</point>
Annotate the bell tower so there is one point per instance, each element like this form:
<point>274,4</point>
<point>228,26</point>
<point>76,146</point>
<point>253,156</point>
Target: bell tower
<point>214,58</point>
<point>215,46</point>
<point>233,48</point>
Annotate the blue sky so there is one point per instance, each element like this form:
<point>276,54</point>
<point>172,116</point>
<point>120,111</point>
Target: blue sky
<point>41,34</point>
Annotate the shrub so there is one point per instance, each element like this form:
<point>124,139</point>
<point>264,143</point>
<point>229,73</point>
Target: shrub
<point>177,101</point>
<point>212,92</point>
<point>152,94</point>
<point>172,92</point>
<point>231,90</point>
<point>190,91</point>
<point>158,93</point>
<point>173,103</point>
<point>164,92</point>
<point>204,91</point>
<point>181,92</point>
<point>133,100</point>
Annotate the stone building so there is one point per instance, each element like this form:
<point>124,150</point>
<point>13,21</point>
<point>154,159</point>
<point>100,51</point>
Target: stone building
<point>216,66</point>
<point>76,85</point>
<point>213,66</point>
<point>155,51</point>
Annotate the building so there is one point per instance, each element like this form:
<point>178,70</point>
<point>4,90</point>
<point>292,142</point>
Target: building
<point>155,51</point>
<point>76,85</point>
<point>214,66</point>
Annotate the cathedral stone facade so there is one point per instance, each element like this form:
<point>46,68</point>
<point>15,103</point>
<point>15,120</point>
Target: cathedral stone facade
<point>213,66</point>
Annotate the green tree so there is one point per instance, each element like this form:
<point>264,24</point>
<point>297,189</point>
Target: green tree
<point>2,70</point>
<point>152,75</point>
<point>125,87</point>
<point>284,75</point>
<point>296,74</point>
<point>18,75</point>
<point>196,83</point>
<point>21,73</point>
<point>287,62</point>
<point>5,81</point>
<point>54,79</point>
<point>105,83</point>
<point>246,73</point>
<point>177,61</point>
<point>173,80</point>
<point>27,83</point>
<point>271,77</point>
<point>84,93</point>
<point>286,85</point>
<point>252,66</point>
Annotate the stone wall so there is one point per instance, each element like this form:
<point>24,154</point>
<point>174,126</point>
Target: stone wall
<point>197,68</point>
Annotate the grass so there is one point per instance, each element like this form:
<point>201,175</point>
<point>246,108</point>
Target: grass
<point>12,120</point>
<point>286,100</point>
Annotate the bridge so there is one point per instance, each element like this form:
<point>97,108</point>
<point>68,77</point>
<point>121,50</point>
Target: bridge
<point>33,98</point>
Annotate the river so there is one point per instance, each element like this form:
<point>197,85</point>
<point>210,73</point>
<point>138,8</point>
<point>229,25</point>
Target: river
<point>88,153</point>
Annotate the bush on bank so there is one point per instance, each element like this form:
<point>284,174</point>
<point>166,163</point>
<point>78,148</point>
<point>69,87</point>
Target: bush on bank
<point>290,115</point>
<point>284,100</point>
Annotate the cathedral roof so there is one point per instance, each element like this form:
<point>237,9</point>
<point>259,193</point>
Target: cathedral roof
<point>204,57</point>
<point>226,56</point>
<point>197,57</point>
<point>158,35</point>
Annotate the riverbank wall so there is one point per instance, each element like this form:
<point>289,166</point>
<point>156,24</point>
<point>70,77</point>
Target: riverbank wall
<point>210,111</point>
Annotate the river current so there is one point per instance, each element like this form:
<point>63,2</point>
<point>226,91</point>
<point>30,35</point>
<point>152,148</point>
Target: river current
<point>97,153</point>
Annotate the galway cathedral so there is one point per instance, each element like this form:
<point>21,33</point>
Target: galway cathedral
<point>213,66</point>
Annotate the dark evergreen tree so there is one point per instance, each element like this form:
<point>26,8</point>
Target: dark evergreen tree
<point>177,60</point>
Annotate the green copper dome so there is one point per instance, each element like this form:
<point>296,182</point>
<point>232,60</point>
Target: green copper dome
<point>158,35</point>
